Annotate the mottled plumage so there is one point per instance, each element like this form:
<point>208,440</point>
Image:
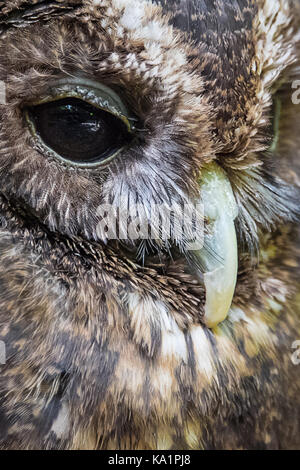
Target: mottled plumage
<point>103,351</point>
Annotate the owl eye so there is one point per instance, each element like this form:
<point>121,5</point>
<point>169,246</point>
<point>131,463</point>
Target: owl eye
<point>81,126</point>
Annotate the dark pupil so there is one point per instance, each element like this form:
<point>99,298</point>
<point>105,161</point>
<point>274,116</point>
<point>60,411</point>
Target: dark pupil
<point>78,131</point>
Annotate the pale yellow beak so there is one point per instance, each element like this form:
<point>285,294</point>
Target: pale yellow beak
<point>220,209</point>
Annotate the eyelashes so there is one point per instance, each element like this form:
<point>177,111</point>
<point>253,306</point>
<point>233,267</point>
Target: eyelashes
<point>82,125</point>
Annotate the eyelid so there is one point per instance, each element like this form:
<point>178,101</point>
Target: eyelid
<point>92,92</point>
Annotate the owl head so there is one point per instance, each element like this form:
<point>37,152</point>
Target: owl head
<point>149,184</point>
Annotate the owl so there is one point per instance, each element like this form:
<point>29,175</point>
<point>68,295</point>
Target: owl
<point>149,224</point>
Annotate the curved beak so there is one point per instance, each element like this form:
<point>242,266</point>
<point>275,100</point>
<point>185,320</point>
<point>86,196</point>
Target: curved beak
<point>220,254</point>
